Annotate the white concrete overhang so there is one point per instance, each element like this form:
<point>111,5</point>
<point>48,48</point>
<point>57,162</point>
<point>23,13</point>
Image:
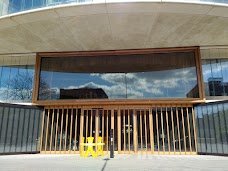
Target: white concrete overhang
<point>109,25</point>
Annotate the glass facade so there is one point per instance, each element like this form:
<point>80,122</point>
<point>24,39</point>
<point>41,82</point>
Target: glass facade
<point>136,76</point>
<point>20,128</point>
<point>16,78</point>
<point>23,5</point>
<point>215,73</point>
<point>212,128</point>
<point>14,6</point>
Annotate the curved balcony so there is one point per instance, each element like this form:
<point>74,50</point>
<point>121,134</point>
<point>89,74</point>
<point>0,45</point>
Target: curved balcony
<point>15,6</point>
<point>111,26</point>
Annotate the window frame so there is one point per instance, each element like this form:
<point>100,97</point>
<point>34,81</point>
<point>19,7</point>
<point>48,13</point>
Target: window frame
<point>149,101</point>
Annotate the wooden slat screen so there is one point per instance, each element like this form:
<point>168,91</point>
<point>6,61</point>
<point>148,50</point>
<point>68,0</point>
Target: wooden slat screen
<point>168,129</point>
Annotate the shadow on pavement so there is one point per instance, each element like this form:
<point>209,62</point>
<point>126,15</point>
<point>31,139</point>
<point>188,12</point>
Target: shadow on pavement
<point>106,161</point>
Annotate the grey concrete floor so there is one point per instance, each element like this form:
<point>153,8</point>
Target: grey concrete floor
<point>37,162</point>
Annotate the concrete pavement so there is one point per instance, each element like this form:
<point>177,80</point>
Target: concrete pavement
<point>39,162</point>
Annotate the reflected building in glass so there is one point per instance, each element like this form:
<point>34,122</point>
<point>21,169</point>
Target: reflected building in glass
<point>157,76</point>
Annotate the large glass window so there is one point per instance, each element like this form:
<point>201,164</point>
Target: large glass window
<point>215,73</point>
<point>16,78</point>
<point>160,75</point>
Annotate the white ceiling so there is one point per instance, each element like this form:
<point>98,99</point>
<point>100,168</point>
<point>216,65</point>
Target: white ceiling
<point>110,26</point>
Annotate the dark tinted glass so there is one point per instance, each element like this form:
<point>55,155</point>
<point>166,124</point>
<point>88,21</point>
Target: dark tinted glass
<point>212,128</point>
<point>19,129</point>
<point>163,75</point>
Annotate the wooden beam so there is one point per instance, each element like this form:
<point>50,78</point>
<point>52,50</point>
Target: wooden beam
<point>174,149</point>
<point>182,114</point>
<point>135,134</point>
<point>151,130</point>
<point>56,129</point>
<point>61,131</point>
<point>141,139</point>
<point>119,130</point>
<point>42,130</point>
<point>178,129</point>
<point>189,133</point>
<point>52,122</point>
<point>47,130</point>
<point>71,125</point>
<point>81,128</point>
<point>194,128</point>
<point>157,130</point>
<point>167,128</point>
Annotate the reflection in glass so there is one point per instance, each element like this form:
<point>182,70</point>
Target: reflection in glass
<point>215,73</point>
<point>16,78</point>
<point>212,128</point>
<point>170,75</point>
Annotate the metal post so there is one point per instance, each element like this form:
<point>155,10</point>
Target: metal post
<point>111,144</point>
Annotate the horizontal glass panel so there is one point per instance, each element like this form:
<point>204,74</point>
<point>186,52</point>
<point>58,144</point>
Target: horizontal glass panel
<point>162,75</point>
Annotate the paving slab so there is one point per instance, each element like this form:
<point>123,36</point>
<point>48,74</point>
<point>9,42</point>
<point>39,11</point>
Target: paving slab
<point>121,162</point>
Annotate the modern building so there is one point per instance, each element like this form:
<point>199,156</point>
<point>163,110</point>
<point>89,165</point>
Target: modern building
<point>156,72</point>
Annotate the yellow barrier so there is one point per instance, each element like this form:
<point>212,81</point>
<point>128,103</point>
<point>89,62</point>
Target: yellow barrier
<point>90,146</point>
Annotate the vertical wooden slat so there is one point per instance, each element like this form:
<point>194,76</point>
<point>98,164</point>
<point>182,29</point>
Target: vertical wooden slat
<point>86,133</point>
<point>194,129</point>
<point>124,124</point>
<point>71,124</point>
<point>174,148</point>
<point>140,115</point>
<point>96,127</point>
<point>157,130</point>
<point>66,130</point>
<point>151,130</point>
<point>81,128</point>
<point>189,134</point>
<point>91,123</point>
<point>103,127</point>
<point>135,134</point>
<point>56,129</point>
<point>52,122</point>
<point>61,131</point>
<point>107,112</point>
<point>75,128</point>
<point>167,128</point>
<point>129,140</point>
<point>145,124</point>
<point>47,129</point>
<point>178,129</point>
<point>119,130</point>
<point>182,114</point>
<point>163,141</point>
<point>42,130</point>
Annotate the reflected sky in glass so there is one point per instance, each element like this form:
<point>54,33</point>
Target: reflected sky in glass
<point>175,83</point>
<point>215,76</point>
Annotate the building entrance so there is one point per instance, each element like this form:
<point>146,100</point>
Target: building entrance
<point>168,129</point>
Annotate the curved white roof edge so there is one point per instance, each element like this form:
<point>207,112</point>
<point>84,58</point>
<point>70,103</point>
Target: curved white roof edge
<point>110,2</point>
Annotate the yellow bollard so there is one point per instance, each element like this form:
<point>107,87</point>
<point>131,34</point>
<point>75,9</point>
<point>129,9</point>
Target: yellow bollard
<point>82,145</point>
<point>100,146</point>
<point>90,145</point>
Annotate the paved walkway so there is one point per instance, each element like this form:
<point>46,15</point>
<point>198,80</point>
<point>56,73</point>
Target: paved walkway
<point>39,162</point>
